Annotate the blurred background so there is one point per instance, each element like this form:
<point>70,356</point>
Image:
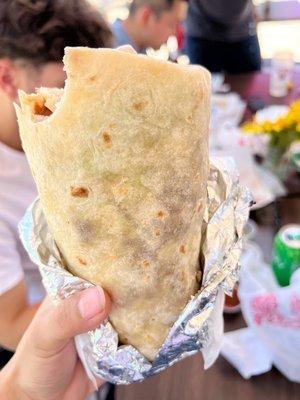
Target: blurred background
<point>253,52</point>
<point>278,23</point>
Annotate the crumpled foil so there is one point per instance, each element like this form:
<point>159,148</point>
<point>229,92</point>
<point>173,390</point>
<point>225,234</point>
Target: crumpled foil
<point>200,325</point>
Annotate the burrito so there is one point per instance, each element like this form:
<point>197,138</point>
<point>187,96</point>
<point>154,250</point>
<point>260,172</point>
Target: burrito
<point>120,160</point>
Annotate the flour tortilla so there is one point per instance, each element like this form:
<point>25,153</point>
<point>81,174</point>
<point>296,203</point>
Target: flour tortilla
<point>120,159</point>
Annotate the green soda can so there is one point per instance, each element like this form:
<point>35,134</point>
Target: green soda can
<point>286,253</point>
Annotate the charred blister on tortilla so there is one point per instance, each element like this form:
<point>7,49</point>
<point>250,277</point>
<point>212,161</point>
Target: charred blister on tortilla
<point>182,249</point>
<point>79,191</point>
<point>107,139</point>
<point>82,260</point>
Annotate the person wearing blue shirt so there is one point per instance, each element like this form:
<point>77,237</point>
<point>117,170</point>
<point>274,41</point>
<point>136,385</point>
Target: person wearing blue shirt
<point>149,24</point>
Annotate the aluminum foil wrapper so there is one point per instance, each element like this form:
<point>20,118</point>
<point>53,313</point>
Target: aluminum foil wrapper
<point>200,325</point>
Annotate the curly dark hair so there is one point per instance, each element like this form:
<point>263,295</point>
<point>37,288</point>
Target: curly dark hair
<point>39,30</point>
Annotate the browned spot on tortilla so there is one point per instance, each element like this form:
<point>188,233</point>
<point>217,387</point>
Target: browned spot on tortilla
<point>146,263</point>
<point>140,106</point>
<point>198,276</point>
<point>111,126</point>
<point>93,78</point>
<point>82,260</point>
<point>157,232</point>
<point>160,214</point>
<point>107,139</point>
<point>189,118</point>
<point>79,191</point>
<point>182,249</point>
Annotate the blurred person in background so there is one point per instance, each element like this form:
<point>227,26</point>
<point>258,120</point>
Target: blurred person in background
<point>149,24</point>
<point>221,35</point>
<point>33,35</point>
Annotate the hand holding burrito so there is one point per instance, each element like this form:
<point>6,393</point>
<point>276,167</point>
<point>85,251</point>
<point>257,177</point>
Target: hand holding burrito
<point>45,364</point>
<point>121,164</point>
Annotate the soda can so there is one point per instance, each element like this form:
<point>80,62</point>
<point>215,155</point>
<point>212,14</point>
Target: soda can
<point>286,253</point>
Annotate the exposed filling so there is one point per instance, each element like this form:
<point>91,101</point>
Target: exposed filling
<point>43,103</point>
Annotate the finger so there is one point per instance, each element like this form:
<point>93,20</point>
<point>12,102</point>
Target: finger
<point>55,324</point>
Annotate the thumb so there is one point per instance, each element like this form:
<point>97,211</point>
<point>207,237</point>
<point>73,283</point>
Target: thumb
<point>56,323</point>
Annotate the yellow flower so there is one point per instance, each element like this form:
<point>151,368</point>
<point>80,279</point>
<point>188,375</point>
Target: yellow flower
<point>267,126</point>
<point>252,127</point>
<point>291,120</point>
<point>294,112</point>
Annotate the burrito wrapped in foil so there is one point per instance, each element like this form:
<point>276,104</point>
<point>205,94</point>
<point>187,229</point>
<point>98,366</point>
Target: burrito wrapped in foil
<point>120,161</point>
<point>200,325</point>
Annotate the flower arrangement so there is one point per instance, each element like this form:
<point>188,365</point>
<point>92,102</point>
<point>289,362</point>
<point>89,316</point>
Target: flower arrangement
<point>282,132</point>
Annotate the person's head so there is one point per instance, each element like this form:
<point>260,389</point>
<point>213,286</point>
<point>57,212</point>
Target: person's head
<point>158,19</point>
<point>33,35</point>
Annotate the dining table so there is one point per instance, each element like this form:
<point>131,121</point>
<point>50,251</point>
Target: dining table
<point>187,379</point>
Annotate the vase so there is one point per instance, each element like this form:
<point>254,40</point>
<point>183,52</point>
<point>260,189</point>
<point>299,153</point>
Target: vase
<point>276,162</point>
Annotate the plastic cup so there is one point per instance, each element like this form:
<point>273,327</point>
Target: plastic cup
<point>282,66</point>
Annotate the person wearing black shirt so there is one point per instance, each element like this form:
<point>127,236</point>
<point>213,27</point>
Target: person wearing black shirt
<point>221,35</point>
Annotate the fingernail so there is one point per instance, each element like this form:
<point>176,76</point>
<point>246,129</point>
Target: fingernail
<point>92,302</point>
